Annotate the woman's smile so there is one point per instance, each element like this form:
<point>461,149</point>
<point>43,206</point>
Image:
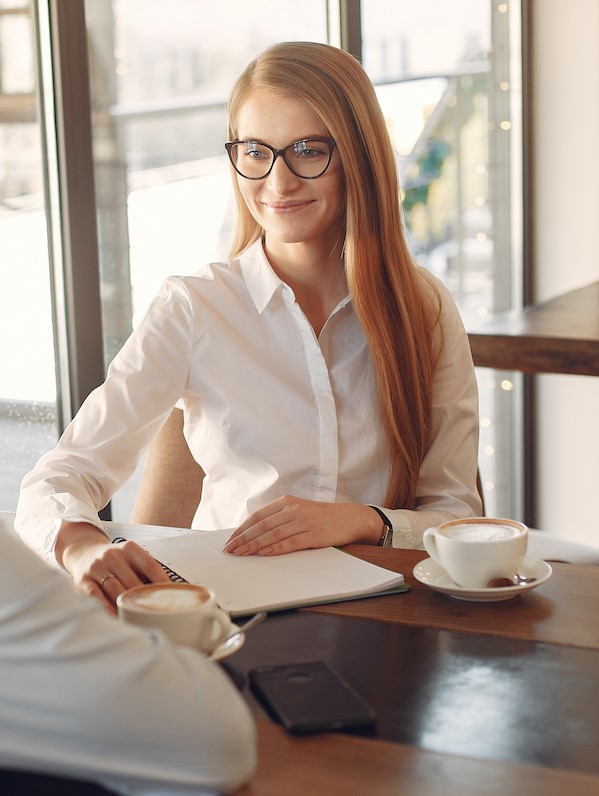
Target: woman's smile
<point>287,207</point>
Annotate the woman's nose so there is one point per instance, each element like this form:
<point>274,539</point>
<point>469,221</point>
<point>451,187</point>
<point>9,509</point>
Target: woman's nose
<point>281,178</point>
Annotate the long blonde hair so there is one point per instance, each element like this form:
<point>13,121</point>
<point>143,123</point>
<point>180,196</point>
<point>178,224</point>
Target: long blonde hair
<point>394,300</point>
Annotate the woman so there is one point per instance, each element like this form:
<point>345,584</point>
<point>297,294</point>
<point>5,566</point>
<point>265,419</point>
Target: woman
<point>321,372</point>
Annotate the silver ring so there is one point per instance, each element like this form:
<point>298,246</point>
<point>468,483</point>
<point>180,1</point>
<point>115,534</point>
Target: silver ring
<point>105,578</point>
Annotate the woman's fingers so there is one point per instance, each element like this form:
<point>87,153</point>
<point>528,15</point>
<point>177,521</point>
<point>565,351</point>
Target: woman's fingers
<point>287,524</point>
<point>290,523</point>
<point>271,525</point>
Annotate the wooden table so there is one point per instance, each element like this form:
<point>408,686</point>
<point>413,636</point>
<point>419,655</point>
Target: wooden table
<point>558,620</point>
<point>556,336</point>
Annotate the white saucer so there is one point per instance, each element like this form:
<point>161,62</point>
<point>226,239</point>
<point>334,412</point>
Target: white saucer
<point>432,574</point>
<point>228,647</point>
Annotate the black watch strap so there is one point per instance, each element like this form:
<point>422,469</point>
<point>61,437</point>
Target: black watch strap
<point>387,534</point>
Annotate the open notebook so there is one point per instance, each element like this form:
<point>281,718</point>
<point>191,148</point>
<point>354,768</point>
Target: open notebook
<point>246,584</point>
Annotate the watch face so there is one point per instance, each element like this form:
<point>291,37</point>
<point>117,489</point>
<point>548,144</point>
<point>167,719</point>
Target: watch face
<point>387,539</point>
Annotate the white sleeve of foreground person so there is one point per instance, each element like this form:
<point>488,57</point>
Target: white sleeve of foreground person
<point>84,696</point>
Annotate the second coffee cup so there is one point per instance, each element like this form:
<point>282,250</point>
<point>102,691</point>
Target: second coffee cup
<point>477,550</point>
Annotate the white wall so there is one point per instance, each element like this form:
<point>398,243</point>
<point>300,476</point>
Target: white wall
<point>566,141</point>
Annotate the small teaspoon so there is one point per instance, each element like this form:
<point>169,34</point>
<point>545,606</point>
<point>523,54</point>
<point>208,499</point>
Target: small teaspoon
<point>516,580</point>
<point>231,640</point>
<point>251,622</point>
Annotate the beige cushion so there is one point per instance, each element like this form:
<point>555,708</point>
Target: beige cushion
<point>171,484</point>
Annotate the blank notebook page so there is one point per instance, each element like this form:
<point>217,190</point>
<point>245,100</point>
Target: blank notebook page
<point>244,584</point>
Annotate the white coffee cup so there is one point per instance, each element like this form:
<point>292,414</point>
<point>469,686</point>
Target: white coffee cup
<point>187,613</point>
<point>477,550</point>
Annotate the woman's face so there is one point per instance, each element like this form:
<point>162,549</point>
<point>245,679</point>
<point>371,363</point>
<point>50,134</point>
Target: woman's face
<point>290,209</point>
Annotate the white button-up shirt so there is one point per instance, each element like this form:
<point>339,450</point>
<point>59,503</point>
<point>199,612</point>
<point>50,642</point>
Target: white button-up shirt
<point>269,409</point>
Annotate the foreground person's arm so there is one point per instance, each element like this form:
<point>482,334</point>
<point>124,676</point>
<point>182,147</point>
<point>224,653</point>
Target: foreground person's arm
<point>83,695</point>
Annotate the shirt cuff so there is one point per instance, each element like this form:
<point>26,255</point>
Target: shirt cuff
<point>403,534</point>
<point>40,533</point>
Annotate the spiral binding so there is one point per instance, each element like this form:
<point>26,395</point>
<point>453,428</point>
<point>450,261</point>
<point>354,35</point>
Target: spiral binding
<point>174,576</point>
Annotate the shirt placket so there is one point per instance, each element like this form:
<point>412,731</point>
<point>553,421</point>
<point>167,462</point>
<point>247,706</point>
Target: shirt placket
<point>325,486</point>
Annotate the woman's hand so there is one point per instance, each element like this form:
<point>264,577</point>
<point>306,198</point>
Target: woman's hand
<point>291,523</point>
<point>101,569</point>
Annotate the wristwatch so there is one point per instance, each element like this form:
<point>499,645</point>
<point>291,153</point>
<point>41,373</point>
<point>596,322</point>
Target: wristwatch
<point>386,539</point>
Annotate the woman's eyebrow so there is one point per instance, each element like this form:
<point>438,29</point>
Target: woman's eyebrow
<point>258,140</point>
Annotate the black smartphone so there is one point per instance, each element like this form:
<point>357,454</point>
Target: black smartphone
<point>309,697</point>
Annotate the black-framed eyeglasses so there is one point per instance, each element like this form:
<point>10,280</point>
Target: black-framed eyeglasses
<point>308,158</point>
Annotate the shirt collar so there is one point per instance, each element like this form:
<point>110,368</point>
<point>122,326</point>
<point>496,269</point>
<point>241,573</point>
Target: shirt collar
<point>261,281</point>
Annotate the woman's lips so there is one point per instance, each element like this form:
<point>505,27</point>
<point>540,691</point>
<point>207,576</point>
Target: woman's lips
<point>286,207</point>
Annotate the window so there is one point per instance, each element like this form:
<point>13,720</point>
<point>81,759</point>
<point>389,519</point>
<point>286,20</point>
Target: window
<point>28,405</point>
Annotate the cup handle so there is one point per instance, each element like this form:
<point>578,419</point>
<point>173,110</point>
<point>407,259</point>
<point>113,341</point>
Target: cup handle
<point>221,626</point>
<point>430,544</point>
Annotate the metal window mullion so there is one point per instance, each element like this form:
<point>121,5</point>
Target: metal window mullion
<point>77,306</point>
<point>351,27</point>
<point>530,415</point>
<point>345,25</point>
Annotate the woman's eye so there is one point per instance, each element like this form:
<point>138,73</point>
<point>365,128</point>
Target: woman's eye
<point>309,150</point>
<point>255,154</point>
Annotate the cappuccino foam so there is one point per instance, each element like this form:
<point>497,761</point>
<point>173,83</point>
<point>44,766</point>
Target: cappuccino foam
<point>167,600</point>
<point>481,532</point>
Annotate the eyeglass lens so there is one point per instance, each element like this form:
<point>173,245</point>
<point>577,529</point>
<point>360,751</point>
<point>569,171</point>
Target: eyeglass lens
<point>308,158</point>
